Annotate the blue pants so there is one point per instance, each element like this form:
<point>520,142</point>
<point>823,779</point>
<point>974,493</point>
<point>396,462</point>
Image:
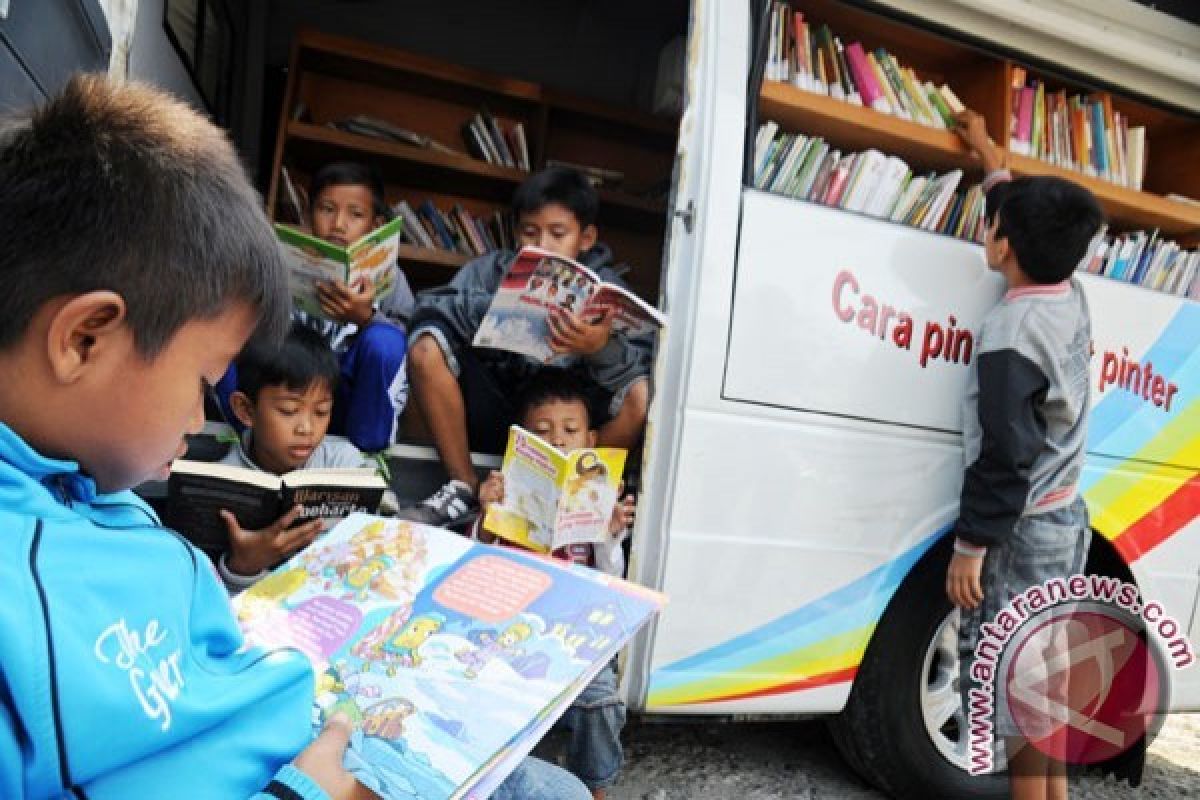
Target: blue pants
<point>534,779</point>
<point>595,720</point>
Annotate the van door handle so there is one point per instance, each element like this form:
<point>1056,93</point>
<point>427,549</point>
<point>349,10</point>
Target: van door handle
<point>687,215</point>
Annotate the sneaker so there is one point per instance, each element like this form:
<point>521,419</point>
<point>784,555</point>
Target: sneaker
<point>452,504</point>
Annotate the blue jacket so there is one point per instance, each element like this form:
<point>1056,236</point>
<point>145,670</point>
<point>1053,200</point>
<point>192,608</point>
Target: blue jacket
<point>120,670</point>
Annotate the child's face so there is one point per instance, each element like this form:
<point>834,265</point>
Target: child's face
<point>144,408</point>
<point>344,214</point>
<point>563,424</point>
<point>287,424</point>
<point>555,228</point>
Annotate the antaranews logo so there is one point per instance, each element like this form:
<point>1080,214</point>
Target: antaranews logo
<point>1077,667</point>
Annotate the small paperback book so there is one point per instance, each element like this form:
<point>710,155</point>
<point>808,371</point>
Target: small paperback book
<point>538,282</point>
<point>198,490</point>
<point>313,260</point>
<point>453,658</point>
<point>554,499</point>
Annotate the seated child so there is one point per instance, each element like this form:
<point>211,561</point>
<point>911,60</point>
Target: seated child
<point>553,405</point>
<point>464,392</point>
<point>347,204</point>
<point>284,399</point>
<point>122,668</point>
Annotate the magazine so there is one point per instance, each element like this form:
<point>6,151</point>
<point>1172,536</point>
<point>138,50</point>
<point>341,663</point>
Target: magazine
<point>452,657</point>
<point>313,260</point>
<point>198,490</point>
<point>553,499</point>
<point>537,282</point>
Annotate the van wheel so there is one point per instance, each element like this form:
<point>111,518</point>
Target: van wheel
<point>902,728</point>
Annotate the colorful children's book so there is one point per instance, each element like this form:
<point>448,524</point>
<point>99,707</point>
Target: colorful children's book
<point>539,282</point>
<point>554,499</point>
<point>197,491</point>
<point>452,657</point>
<point>313,260</point>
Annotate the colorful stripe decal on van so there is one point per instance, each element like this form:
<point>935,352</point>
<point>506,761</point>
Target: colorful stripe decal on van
<point>1136,502</point>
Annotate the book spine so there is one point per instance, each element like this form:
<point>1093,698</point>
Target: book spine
<point>864,78</point>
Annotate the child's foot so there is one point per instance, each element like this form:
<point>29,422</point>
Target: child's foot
<point>451,504</point>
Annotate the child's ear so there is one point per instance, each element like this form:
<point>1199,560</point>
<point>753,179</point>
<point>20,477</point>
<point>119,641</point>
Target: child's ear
<point>587,238</point>
<point>243,408</point>
<point>83,330</point>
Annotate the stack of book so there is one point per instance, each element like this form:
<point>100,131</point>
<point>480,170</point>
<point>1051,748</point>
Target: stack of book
<point>1081,133</point>
<point>815,59</point>
<point>488,139</point>
<point>808,168</point>
<point>363,125</point>
<point>1146,260</point>
<point>456,230</point>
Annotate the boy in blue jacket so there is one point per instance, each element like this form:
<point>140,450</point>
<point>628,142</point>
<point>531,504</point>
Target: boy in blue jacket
<point>136,262</point>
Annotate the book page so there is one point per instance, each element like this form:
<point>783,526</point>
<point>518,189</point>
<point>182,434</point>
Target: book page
<point>374,257</point>
<point>631,315</point>
<point>310,260</point>
<point>588,489</point>
<point>537,281</point>
<point>448,655</point>
<point>532,469</point>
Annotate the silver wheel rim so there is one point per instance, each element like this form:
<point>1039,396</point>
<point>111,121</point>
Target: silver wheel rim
<point>941,704</point>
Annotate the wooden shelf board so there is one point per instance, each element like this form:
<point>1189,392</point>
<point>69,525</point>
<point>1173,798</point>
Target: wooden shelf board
<point>1122,204</point>
<point>856,128</point>
<point>424,256</point>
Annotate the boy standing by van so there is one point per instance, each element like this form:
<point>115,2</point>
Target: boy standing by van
<point>137,262</point>
<point>464,392</point>
<point>1021,519</point>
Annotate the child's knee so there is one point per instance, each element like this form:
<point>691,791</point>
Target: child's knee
<point>425,356</point>
<point>636,403</point>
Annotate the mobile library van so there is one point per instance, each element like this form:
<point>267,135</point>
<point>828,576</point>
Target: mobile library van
<point>803,457</point>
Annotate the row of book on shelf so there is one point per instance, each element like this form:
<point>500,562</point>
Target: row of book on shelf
<point>869,182</point>
<point>456,230</point>
<point>1083,133</point>
<point>486,138</point>
<point>817,60</point>
<point>878,185</point>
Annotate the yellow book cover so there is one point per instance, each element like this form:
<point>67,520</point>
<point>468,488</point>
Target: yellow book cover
<point>553,499</point>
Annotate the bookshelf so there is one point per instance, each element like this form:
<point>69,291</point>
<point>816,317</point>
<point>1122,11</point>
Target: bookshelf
<point>333,78</point>
<point>983,80</point>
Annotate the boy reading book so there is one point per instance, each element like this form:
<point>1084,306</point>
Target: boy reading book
<point>284,399</point>
<point>370,342</point>
<point>464,392</point>
<point>554,406</point>
<point>122,671</point>
<point>1022,521</point>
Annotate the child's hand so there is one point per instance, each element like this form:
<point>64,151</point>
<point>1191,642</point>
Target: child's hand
<point>571,333</point>
<point>623,515</point>
<point>491,491</point>
<point>250,552</point>
<point>974,134</point>
<point>322,761</point>
<point>962,581</point>
<point>346,304</point>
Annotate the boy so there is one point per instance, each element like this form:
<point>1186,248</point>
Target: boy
<point>554,406</point>
<point>122,672</point>
<point>285,400</point>
<point>347,204</point>
<point>1022,520</point>
<point>464,392</point>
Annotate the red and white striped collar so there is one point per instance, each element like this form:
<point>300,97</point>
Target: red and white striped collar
<point>1039,290</point>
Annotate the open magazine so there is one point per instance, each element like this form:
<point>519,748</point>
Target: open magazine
<point>537,282</point>
<point>312,260</point>
<point>452,657</point>
<point>553,499</point>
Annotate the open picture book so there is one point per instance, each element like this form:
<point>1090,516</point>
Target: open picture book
<point>311,260</point>
<point>554,499</point>
<point>198,490</point>
<point>538,282</point>
<point>453,658</point>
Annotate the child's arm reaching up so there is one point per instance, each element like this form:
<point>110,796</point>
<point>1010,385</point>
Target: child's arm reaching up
<point>253,552</point>
<point>974,134</point>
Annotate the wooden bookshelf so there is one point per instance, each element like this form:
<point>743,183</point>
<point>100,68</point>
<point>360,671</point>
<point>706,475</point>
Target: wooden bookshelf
<point>982,80</point>
<point>333,78</point>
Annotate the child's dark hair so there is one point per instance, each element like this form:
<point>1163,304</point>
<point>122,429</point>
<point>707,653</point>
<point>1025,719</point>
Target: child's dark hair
<point>123,188</point>
<point>352,173</point>
<point>1048,222</point>
<point>560,186</point>
<point>303,359</point>
<point>549,385</point>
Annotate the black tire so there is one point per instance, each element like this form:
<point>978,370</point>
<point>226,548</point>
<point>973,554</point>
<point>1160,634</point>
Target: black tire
<point>882,732</point>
